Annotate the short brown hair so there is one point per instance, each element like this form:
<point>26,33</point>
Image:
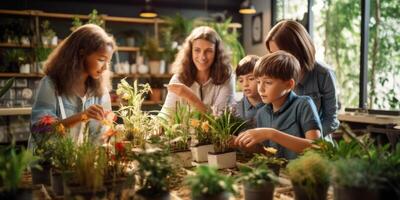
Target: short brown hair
<point>246,65</point>
<point>280,65</point>
<point>184,65</point>
<point>292,37</point>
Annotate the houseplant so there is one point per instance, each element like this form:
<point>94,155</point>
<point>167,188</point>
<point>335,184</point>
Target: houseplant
<point>176,134</point>
<point>269,160</point>
<point>202,141</point>
<point>47,34</point>
<point>258,182</point>
<point>151,51</point>
<point>94,18</point>
<point>13,163</point>
<point>208,184</point>
<point>153,171</point>
<point>223,127</point>
<point>14,58</point>
<point>310,176</point>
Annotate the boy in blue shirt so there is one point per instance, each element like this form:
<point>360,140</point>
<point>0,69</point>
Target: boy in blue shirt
<point>287,122</point>
<point>248,106</point>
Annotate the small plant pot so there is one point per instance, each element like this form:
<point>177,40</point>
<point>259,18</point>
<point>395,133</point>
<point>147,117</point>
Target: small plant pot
<point>154,196</point>
<point>155,94</point>
<point>220,196</point>
<point>301,193</point>
<point>348,193</point>
<point>222,160</point>
<point>262,192</point>
<point>85,193</point>
<point>154,67</point>
<point>57,183</point>
<point>117,186</point>
<point>183,158</point>
<point>200,153</point>
<point>41,176</point>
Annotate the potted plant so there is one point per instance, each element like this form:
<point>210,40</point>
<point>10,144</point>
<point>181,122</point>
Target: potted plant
<point>202,145</point>
<point>153,171</point>
<point>176,134</point>
<point>310,176</point>
<point>14,58</point>
<point>223,126</point>
<point>151,50</point>
<point>94,18</point>
<point>137,124</point>
<point>258,182</point>
<point>13,163</point>
<point>43,132</point>
<point>63,162</point>
<point>48,35</point>
<point>88,173</point>
<point>268,159</point>
<point>208,184</point>
<point>41,54</point>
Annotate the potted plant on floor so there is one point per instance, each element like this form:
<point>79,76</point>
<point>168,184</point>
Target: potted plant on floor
<point>152,172</point>
<point>310,176</point>
<point>208,184</point>
<point>223,127</point>
<point>268,159</point>
<point>202,145</point>
<point>176,134</point>
<point>43,133</point>
<point>258,182</point>
<point>13,164</point>
<point>63,162</point>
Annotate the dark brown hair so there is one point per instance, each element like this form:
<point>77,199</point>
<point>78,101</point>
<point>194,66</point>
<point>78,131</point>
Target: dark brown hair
<point>184,65</point>
<point>246,65</point>
<point>292,37</point>
<point>67,61</point>
<point>280,65</point>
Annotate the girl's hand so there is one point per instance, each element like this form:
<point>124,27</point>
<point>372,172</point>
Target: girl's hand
<point>95,111</point>
<point>252,137</point>
<point>179,89</point>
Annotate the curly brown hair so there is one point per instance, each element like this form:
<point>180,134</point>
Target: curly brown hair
<point>66,62</point>
<point>184,66</point>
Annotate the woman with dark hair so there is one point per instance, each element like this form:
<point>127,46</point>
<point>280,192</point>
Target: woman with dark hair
<point>203,75</point>
<point>316,79</point>
<point>74,89</point>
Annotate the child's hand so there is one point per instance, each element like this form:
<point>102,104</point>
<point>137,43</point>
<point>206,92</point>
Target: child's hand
<point>252,137</point>
<point>95,111</point>
<point>179,89</point>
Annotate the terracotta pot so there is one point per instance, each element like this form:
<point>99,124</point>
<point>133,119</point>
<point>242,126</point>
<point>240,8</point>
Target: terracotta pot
<point>222,160</point>
<point>220,196</point>
<point>155,94</point>
<point>350,193</point>
<point>183,158</point>
<point>319,192</point>
<point>200,153</point>
<point>57,183</point>
<point>262,192</point>
<point>41,176</point>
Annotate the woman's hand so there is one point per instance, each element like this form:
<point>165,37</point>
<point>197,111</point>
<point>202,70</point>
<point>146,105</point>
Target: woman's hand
<point>95,111</point>
<point>179,89</point>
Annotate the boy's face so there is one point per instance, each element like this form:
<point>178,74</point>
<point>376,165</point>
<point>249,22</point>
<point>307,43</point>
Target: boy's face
<point>248,83</point>
<point>272,89</point>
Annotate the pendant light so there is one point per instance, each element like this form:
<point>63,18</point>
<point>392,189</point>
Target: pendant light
<point>247,8</point>
<point>148,11</point>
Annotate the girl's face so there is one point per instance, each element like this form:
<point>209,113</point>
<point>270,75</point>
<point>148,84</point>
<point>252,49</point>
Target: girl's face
<point>248,83</point>
<point>97,62</point>
<point>203,54</point>
<point>272,89</point>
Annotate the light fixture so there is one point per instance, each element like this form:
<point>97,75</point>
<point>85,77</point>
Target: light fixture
<point>148,11</point>
<point>247,8</point>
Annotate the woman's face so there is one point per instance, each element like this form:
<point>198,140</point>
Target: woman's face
<point>273,47</point>
<point>97,62</point>
<point>203,54</point>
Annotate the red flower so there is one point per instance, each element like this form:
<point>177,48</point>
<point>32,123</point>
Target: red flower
<point>47,120</point>
<point>119,146</point>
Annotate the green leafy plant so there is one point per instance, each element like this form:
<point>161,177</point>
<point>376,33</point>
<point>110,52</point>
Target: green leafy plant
<point>207,182</point>
<point>47,31</point>
<point>309,171</point>
<point>94,18</point>
<point>64,154</point>
<point>151,49</point>
<point>153,171</point>
<point>256,176</point>
<point>200,126</point>
<point>76,23</point>
<point>13,163</point>
<point>180,27</point>
<point>7,86</point>
<point>41,53</point>
<point>263,160</point>
<point>223,127</point>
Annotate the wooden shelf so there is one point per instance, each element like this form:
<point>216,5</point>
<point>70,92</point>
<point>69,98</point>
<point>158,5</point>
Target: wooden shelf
<point>15,111</point>
<point>128,49</point>
<point>12,45</point>
<point>21,75</point>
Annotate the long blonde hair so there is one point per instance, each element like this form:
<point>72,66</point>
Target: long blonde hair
<point>184,65</point>
<point>67,61</point>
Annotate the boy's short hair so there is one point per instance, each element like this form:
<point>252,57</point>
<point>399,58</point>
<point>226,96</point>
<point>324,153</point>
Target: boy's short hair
<point>246,65</point>
<point>280,64</point>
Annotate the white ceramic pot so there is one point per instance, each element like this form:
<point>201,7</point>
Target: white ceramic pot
<point>184,158</point>
<point>200,153</point>
<point>222,161</point>
<point>154,67</point>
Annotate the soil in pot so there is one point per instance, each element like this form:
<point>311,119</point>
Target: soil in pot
<point>41,176</point>
<point>262,192</point>
<point>222,160</point>
<point>200,152</point>
<point>317,193</point>
<point>220,196</point>
<point>351,193</point>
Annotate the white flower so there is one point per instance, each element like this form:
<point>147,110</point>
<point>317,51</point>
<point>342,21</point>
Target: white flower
<point>222,184</point>
<point>124,113</point>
